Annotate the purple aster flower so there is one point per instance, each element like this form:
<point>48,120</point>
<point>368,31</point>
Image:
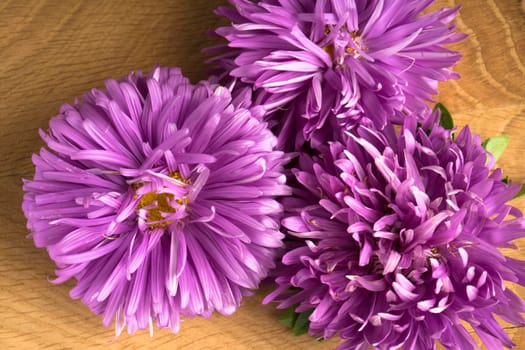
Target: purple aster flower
<point>342,59</point>
<point>394,241</point>
<point>157,196</point>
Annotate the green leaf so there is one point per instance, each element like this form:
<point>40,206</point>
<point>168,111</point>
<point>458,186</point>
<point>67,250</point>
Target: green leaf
<point>496,145</point>
<point>299,322</point>
<point>521,192</point>
<point>302,323</point>
<point>445,118</point>
<point>288,317</point>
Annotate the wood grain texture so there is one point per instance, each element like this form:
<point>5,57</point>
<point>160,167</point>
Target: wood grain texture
<point>54,50</point>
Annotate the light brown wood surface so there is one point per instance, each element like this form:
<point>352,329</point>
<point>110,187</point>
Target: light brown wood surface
<point>54,50</point>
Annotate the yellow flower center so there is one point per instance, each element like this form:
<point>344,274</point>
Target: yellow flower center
<point>160,205</point>
<point>348,50</point>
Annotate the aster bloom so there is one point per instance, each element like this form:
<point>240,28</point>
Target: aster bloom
<point>343,59</point>
<point>158,197</point>
<point>394,241</point>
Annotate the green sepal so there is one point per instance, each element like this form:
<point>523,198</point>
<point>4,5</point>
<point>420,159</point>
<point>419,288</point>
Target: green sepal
<point>445,118</point>
<point>496,145</point>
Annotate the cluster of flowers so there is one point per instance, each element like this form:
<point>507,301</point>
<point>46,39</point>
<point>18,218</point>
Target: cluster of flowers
<point>319,163</point>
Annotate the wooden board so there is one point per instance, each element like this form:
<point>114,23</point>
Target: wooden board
<point>54,50</point>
